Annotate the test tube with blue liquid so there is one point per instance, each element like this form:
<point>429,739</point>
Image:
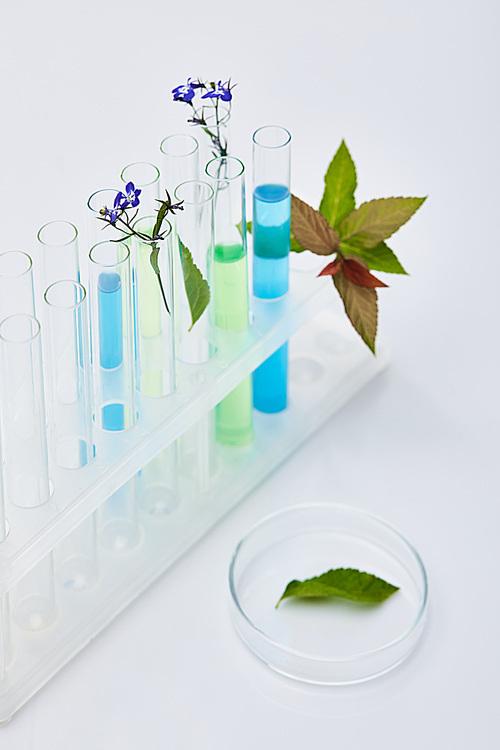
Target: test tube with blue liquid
<point>271,250</point>
<point>112,336</point>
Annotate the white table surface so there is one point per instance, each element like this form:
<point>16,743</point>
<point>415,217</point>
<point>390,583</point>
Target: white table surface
<point>413,89</point>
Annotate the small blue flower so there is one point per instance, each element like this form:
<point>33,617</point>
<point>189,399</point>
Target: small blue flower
<point>221,92</point>
<point>111,214</point>
<point>185,93</point>
<point>129,198</point>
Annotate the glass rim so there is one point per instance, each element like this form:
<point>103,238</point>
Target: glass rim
<point>220,160</point>
<point>96,192</point>
<point>286,134</point>
<point>75,284</point>
<point>58,244</point>
<point>353,512</point>
<point>35,328</point>
<point>112,244</point>
<point>142,163</point>
<point>203,202</point>
<point>145,218</point>
<point>184,136</point>
<point>17,275</point>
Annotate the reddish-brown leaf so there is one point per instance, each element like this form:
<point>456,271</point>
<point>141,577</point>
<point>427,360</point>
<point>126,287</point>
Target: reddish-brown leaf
<point>360,303</point>
<point>356,270</point>
<point>311,230</point>
<point>332,268</point>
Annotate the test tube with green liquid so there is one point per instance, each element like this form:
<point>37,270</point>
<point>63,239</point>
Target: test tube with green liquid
<point>233,415</point>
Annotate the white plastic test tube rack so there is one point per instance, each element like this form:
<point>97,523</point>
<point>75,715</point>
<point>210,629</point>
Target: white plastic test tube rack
<point>328,365</point>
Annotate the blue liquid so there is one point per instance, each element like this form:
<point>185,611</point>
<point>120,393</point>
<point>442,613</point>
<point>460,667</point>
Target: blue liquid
<point>271,243</point>
<point>270,382</point>
<point>113,417</point>
<point>109,307</point>
<point>271,240</point>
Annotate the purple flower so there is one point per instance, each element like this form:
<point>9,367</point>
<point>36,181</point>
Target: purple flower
<point>185,93</point>
<point>129,198</point>
<point>222,91</point>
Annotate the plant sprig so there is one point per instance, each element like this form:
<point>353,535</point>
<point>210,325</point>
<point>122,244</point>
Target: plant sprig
<point>356,236</point>
<point>210,109</point>
<point>197,289</point>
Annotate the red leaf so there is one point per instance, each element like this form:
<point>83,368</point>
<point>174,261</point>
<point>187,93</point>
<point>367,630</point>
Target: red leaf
<point>332,268</point>
<point>357,272</point>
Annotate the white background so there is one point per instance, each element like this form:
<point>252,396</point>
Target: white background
<point>413,89</point>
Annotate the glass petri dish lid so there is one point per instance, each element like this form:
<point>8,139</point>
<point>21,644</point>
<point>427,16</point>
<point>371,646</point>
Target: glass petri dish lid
<point>326,641</point>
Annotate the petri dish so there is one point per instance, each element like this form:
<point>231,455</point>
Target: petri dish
<point>326,641</point>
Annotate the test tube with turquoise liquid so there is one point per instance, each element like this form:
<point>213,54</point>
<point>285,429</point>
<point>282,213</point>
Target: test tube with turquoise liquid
<point>271,250</point>
<point>233,415</point>
<point>112,336</point>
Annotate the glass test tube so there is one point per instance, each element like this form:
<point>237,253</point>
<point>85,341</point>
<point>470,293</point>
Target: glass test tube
<point>154,326</point>
<point>119,529</point>
<point>112,336</point>
<point>97,229</point>
<point>146,177</point>
<point>179,161</point>
<point>233,415</point>
<point>59,243</point>
<point>76,557</point>
<point>34,605</point>
<point>69,384</point>
<point>23,412</point>
<point>194,231</point>
<point>16,284</point>
<point>6,650</point>
<point>271,249</point>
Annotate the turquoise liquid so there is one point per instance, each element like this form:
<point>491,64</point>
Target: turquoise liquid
<point>270,382</point>
<point>109,303</point>
<point>109,311</point>
<point>271,241</point>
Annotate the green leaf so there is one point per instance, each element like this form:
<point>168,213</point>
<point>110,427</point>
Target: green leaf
<point>376,220</point>
<point>153,258</point>
<point>197,289</point>
<point>360,304</point>
<point>340,184</point>
<point>378,258</point>
<point>344,583</point>
<point>165,205</point>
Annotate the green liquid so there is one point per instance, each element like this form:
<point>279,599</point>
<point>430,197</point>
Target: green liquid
<point>233,416</point>
<point>230,287</point>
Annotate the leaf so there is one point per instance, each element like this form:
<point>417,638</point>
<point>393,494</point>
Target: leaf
<point>153,258</point>
<point>360,304</point>
<point>340,184</point>
<point>294,245</point>
<point>162,211</point>
<point>311,230</point>
<point>332,268</point>
<point>344,583</point>
<point>356,270</point>
<point>197,289</point>
<point>376,220</point>
<point>378,258</point>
